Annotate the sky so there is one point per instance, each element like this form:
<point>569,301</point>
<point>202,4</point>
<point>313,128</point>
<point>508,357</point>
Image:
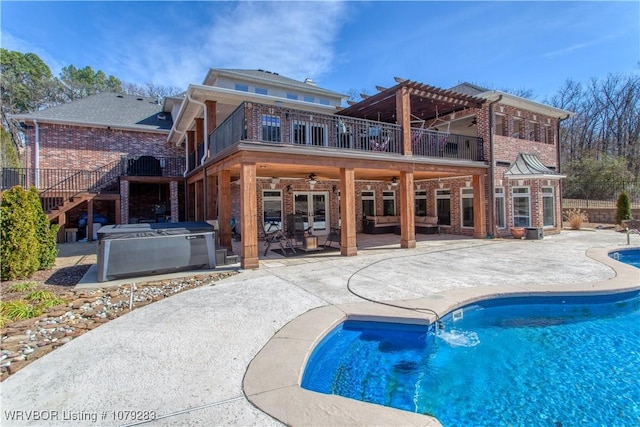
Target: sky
<point>350,46</point>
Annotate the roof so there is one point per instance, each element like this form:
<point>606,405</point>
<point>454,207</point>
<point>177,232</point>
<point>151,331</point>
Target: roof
<point>427,102</point>
<point>466,88</point>
<point>107,109</point>
<point>530,166</point>
<point>273,78</point>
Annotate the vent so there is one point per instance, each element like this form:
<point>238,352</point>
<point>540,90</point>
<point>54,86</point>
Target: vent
<point>162,116</point>
<point>309,81</point>
<point>503,163</point>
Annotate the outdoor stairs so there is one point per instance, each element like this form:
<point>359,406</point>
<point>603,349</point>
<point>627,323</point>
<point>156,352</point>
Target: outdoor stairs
<point>69,204</point>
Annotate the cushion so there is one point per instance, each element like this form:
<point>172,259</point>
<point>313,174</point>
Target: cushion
<point>433,220</point>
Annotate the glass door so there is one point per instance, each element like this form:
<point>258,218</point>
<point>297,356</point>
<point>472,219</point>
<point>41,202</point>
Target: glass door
<point>314,209</point>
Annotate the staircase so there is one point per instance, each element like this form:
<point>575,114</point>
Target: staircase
<point>55,213</point>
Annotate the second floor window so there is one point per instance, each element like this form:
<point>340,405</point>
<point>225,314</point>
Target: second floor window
<point>261,90</point>
<point>292,96</point>
<point>241,87</point>
<point>271,128</point>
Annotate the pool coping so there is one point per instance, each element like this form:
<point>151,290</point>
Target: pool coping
<point>272,379</point>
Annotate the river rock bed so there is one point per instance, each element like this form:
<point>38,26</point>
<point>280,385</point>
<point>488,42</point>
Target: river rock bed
<point>24,341</point>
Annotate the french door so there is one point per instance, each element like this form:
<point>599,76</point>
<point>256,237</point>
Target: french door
<point>314,208</point>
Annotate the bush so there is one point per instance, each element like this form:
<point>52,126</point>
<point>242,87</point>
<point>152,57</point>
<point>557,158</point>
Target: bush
<point>19,244</point>
<point>28,239</point>
<point>623,205</point>
<point>47,233</point>
<point>575,217</point>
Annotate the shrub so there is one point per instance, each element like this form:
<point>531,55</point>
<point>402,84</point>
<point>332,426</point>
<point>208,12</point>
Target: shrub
<point>19,242</point>
<point>19,309</point>
<point>46,232</point>
<point>23,287</point>
<point>575,217</point>
<point>623,205</point>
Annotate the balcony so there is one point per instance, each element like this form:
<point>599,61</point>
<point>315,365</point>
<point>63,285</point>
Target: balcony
<point>260,123</point>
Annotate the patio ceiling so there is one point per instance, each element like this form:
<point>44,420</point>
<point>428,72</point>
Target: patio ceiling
<point>427,102</point>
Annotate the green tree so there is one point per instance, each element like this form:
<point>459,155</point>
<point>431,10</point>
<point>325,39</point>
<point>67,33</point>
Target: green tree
<point>82,82</point>
<point>623,212</point>
<point>19,244</point>
<point>46,232</point>
<point>589,178</point>
<point>8,154</point>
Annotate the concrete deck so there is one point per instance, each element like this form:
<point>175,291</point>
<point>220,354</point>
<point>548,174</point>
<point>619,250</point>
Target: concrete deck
<point>185,357</point>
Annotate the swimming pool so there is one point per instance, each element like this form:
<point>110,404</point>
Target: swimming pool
<point>628,256</point>
<point>510,361</point>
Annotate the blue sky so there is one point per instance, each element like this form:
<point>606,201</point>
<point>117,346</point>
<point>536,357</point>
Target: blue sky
<point>341,45</point>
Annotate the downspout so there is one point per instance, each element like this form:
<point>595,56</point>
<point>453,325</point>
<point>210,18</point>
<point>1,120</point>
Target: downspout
<point>204,153</point>
<point>492,180</point>
<point>560,164</point>
<point>36,154</point>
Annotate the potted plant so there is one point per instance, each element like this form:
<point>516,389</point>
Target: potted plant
<point>517,232</point>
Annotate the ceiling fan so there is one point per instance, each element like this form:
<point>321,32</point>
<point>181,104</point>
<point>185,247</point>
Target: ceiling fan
<point>311,179</point>
<point>474,121</point>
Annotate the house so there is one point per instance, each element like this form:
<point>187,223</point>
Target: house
<point>265,150</point>
<point>261,151</point>
<point>105,156</point>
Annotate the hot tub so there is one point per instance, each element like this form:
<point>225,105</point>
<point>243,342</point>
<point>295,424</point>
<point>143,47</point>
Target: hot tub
<point>131,250</point>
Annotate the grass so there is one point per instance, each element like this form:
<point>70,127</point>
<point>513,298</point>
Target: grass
<point>32,305</point>
<point>576,218</point>
<point>22,287</point>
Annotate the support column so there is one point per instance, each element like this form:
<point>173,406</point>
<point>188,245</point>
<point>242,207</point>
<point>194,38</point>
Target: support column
<point>479,208</point>
<point>403,114</point>
<point>124,201</point>
<point>191,143</point>
<point>211,123</point>
<point>199,123</point>
<point>224,211</point>
<point>62,222</point>
<point>90,220</point>
<point>199,195</point>
<point>211,189</point>
<point>175,204</point>
<point>348,245</point>
<point>407,211</point>
<point>118,211</point>
<point>248,220</point>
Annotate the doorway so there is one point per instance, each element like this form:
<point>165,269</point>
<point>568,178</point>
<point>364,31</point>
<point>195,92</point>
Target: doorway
<point>314,208</point>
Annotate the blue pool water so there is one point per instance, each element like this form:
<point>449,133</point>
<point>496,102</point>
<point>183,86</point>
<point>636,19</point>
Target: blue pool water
<point>543,361</point>
<point>628,256</point>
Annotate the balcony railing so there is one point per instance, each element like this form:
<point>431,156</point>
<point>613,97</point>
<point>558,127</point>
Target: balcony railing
<point>279,125</point>
<point>152,166</point>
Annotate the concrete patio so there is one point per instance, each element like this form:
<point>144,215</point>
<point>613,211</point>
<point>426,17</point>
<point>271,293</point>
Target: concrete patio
<point>184,358</point>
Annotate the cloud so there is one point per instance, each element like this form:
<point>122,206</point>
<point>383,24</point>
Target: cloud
<point>566,50</point>
<point>13,43</point>
<point>294,39</point>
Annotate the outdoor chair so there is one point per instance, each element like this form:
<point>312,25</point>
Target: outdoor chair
<point>275,236</point>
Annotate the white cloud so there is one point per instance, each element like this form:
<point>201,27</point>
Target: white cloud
<point>13,43</point>
<point>294,39</point>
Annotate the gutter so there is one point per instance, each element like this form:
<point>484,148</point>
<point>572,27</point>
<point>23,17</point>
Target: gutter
<point>206,127</point>
<point>560,164</point>
<point>492,161</point>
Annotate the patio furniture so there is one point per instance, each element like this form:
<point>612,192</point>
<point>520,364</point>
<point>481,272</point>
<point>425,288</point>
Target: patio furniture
<point>276,236</point>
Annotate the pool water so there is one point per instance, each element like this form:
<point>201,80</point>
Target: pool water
<point>628,256</point>
<point>543,361</point>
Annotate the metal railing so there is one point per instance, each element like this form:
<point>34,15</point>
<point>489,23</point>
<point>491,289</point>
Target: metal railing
<point>152,166</point>
<point>280,125</point>
<point>599,194</point>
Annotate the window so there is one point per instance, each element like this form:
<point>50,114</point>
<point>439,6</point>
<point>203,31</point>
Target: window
<point>466,206</point>
<point>261,91</point>
<point>498,125</point>
<point>270,128</point>
<point>534,131</point>
<point>389,203</point>
<point>548,205</point>
<point>547,135</point>
<point>243,88</point>
<point>443,206</point>
<point>501,212</point>
<point>518,131</point>
<point>308,98</point>
<point>292,96</point>
<point>420,197</point>
<point>272,210</point>
<point>521,207</point>
<point>324,101</point>
<point>309,134</point>
<point>368,203</point>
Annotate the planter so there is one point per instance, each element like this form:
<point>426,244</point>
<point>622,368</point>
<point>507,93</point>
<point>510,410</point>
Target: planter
<point>518,232</point>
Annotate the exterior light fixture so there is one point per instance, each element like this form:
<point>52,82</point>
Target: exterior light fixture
<point>394,181</point>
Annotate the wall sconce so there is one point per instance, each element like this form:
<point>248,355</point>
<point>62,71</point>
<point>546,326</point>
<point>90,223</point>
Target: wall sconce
<point>440,183</point>
<point>467,183</point>
<point>334,189</point>
<point>274,182</point>
<point>288,188</point>
<point>312,179</point>
<point>394,181</point>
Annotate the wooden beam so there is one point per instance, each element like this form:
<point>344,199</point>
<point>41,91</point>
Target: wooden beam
<point>407,211</point>
<point>348,246</point>
<point>249,219</point>
<point>403,114</point>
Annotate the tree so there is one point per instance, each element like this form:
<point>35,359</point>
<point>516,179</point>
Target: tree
<point>623,205</point>
<point>151,90</point>
<point>8,154</point>
<point>19,243</point>
<point>45,231</point>
<point>590,178</point>
<point>82,82</point>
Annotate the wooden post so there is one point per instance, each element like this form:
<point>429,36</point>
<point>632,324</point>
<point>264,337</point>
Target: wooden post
<point>407,211</point>
<point>211,191</point>
<point>403,114</point>
<point>62,221</point>
<point>224,211</point>
<point>90,220</point>
<point>249,220</point>
<point>348,245</point>
<point>479,211</point>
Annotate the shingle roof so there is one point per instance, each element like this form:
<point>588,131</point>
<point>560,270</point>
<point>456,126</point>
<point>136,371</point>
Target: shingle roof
<point>277,78</point>
<point>466,88</point>
<point>530,166</point>
<point>107,109</point>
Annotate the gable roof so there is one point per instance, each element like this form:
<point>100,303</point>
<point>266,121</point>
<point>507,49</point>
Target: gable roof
<point>107,109</point>
<point>467,88</point>
<point>271,77</point>
<point>530,166</point>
